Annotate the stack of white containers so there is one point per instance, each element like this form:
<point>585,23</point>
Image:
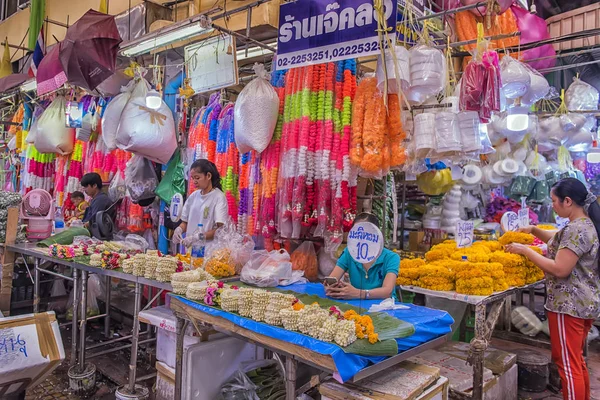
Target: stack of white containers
<point>427,73</point>
<point>424,134</point>
<point>447,134</point>
<point>402,57</point>
<point>468,124</point>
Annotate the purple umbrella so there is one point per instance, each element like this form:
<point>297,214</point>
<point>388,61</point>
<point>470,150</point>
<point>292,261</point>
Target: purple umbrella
<point>50,75</point>
<point>89,52</point>
<point>12,81</point>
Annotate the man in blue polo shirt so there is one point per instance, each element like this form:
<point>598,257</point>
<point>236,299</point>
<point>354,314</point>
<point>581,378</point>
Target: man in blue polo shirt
<point>92,185</point>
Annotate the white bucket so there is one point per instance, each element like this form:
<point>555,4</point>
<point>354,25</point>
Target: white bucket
<point>140,393</point>
<point>82,383</point>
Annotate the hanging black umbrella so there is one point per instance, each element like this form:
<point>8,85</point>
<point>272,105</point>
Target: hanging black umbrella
<point>89,52</point>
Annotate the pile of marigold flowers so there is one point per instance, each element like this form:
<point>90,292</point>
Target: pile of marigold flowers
<point>482,269</point>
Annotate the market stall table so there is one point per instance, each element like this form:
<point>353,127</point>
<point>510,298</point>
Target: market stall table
<point>431,328</point>
<point>79,279</point>
<point>484,326</point>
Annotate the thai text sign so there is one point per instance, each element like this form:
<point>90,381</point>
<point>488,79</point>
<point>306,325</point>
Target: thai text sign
<point>317,31</point>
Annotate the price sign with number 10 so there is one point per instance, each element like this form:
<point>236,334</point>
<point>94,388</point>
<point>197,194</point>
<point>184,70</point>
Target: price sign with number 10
<point>365,242</point>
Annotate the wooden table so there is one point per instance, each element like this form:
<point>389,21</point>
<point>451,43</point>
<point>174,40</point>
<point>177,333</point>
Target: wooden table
<point>293,353</point>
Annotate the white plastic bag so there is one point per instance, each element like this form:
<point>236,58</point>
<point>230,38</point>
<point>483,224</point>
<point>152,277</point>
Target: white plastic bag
<point>118,188</point>
<point>147,132</point>
<point>515,77</point>
<point>140,178</point>
<point>52,136</point>
<point>269,269</point>
<point>581,96</point>
<point>111,119</point>
<point>255,113</point>
<point>58,290</point>
<point>32,134</point>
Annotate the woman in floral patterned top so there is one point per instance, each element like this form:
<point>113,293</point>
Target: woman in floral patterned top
<point>572,281</point>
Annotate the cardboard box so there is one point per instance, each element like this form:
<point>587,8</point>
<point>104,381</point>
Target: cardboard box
<point>414,240</point>
<point>30,349</point>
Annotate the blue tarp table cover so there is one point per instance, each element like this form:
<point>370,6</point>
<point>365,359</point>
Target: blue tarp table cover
<point>429,324</point>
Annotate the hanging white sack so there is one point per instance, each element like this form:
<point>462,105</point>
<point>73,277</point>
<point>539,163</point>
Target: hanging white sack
<point>52,135</point>
<point>37,113</point>
<point>255,113</point>
<point>147,132</point>
<point>114,111</point>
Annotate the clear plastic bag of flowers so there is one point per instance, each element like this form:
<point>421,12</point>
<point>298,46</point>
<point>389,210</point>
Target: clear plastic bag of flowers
<point>267,269</point>
<point>239,247</point>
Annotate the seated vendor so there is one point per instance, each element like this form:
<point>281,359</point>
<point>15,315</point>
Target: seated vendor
<point>92,185</point>
<point>375,280</point>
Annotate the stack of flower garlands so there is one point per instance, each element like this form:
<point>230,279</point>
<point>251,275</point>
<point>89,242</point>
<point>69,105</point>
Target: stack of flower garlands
<point>482,269</point>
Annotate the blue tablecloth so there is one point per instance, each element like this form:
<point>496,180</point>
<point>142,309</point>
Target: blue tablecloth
<point>429,324</point>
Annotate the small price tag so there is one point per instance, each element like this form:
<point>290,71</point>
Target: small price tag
<point>176,207</point>
<point>510,221</point>
<point>464,233</point>
<point>365,242</point>
<point>523,215</point>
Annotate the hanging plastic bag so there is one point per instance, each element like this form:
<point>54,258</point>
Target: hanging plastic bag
<point>427,73</point>
<point>94,291</point>
<point>147,132</point>
<point>52,136</point>
<point>515,77</point>
<point>118,188</point>
<point>140,178</point>
<point>270,269</point>
<point>304,258</point>
<point>173,181</point>
<point>58,290</point>
<point>238,248</point>
<point>327,263</point>
<point>255,113</point>
<point>37,113</point>
<point>581,96</point>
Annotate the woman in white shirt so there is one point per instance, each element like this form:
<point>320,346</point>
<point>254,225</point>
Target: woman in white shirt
<point>206,206</point>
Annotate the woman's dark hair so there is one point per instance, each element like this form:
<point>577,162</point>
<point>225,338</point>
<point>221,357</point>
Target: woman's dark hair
<point>204,167</point>
<point>92,179</point>
<point>367,217</point>
<point>77,195</point>
<point>578,193</point>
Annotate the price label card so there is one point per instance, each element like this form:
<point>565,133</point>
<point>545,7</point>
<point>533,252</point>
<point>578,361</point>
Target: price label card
<point>464,233</point>
<point>176,207</point>
<point>510,221</point>
<point>365,242</point>
<point>523,216</point>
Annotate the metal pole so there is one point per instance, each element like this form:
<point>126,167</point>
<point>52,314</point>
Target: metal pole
<point>181,325</point>
<point>134,337</point>
<point>107,304</point>
<point>291,366</point>
<point>74,316</point>
<point>83,319</point>
<point>36,286</point>
<point>478,360</point>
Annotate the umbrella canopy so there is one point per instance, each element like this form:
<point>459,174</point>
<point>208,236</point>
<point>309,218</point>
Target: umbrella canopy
<point>89,52</point>
<point>50,75</point>
<point>12,81</point>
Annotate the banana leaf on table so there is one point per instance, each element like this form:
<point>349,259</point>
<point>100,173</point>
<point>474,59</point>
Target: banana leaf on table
<point>65,237</point>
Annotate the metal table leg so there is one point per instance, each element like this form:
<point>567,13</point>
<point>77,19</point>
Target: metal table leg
<point>74,317</point>
<point>181,326</point>
<point>107,303</point>
<point>36,286</point>
<point>83,319</point>
<point>135,338</point>
<point>291,366</point>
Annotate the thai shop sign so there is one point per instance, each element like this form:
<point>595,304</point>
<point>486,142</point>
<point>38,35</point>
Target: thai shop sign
<point>317,31</point>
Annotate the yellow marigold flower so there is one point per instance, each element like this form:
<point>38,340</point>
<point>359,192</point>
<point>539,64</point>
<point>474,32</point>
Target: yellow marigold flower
<point>500,285</point>
<point>412,263</point>
<point>349,314</point>
<point>370,329</point>
<point>492,245</point>
<point>401,281</point>
<point>373,338</point>
<point>516,237</point>
<point>547,227</point>
<point>298,306</point>
<point>472,254</point>
<point>507,260</point>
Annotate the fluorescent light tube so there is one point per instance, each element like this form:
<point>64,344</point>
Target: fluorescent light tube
<point>29,86</point>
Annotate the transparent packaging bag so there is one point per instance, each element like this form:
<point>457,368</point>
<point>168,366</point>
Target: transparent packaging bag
<point>117,188</point>
<point>255,113</point>
<point>515,77</point>
<point>239,247</point>
<point>581,96</point>
<point>140,178</point>
<point>427,73</point>
<point>270,269</point>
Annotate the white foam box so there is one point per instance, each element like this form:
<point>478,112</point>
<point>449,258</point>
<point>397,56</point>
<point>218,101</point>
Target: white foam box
<point>30,349</point>
<point>166,337</point>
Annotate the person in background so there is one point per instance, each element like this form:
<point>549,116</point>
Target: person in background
<point>375,280</point>
<point>572,281</point>
<point>92,185</point>
<point>78,200</point>
<point>206,206</point>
